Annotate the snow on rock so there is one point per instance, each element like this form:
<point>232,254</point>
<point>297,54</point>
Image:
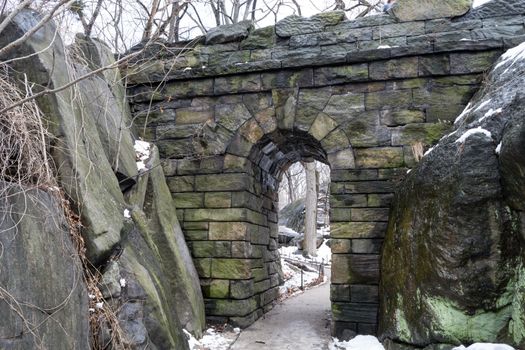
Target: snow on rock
<point>127,214</point>
<point>143,152</point>
<point>470,132</point>
<point>515,54</point>
<point>361,342</point>
<point>482,104</point>
<point>463,114</point>
<point>324,253</point>
<point>490,113</point>
<point>292,279</point>
<point>478,3</point>
<point>485,346</point>
<point>498,149</point>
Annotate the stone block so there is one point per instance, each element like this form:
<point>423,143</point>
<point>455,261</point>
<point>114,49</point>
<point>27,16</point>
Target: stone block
<point>379,200</point>
<point>314,39</point>
<point>355,312</point>
<point>193,115</point>
<point>241,289</point>
<point>210,249</point>
<point>406,67</point>
<point>184,89</point>
<point>288,79</point>
<point>260,274</point>
<point>262,286</point>
<point>237,84</point>
<point>196,235</point>
<point>230,214</point>
<point>364,294</point>
<point>384,157</point>
<point>188,200</point>
<point>401,99</point>
<point>363,130</point>
<point>244,322</point>
<point>341,74</point>
<point>353,175</point>
<point>442,97</point>
<point>335,141</point>
<point>341,107</point>
<point>468,62</point>
<point>341,246</point>
<point>399,29</point>
<point>218,289</point>
<point>217,199</point>
<point>362,187</point>
<point>203,267</point>
<point>223,182</point>
<point>285,101</point>
<point>355,269</point>
<point>434,65</point>
<point>322,126</point>
<point>348,200</point>
<point>369,214</point>
<point>231,268</point>
<point>340,292</point>
<point>343,159</point>
<point>340,214</point>
<point>224,307</point>
<point>427,133</point>
<point>357,230</point>
<point>241,249</point>
<point>391,117</point>
<point>366,246</point>
<point>296,25</point>
<point>179,184</point>
<point>230,231</point>
<point>413,10</point>
<point>262,38</point>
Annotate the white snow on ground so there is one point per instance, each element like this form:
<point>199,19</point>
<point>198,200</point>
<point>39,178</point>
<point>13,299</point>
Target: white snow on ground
<point>292,279</point>
<point>478,3</point>
<point>485,346</point>
<point>127,213</point>
<point>470,132</point>
<point>143,152</point>
<point>361,342</point>
<point>287,230</point>
<point>515,54</point>
<point>213,340</point>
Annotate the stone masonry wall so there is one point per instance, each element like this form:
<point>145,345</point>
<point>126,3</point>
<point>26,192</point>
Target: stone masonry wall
<point>230,112</point>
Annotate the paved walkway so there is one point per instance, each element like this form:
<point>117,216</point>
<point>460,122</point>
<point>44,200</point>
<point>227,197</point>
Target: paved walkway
<point>299,323</point>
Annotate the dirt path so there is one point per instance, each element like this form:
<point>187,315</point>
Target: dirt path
<point>300,322</point>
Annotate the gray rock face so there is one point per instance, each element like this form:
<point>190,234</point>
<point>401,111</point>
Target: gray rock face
<point>43,300</point>
<point>496,8</point>
<point>453,259</point>
<point>413,10</point>
<point>228,33</point>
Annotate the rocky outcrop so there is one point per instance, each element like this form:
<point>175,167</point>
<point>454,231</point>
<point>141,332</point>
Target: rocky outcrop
<point>128,218</point>
<point>43,300</point>
<point>453,260</point>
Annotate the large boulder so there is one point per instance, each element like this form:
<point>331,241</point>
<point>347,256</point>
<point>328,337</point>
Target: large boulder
<point>84,170</point>
<point>43,300</point>
<point>414,10</point>
<point>453,259</point>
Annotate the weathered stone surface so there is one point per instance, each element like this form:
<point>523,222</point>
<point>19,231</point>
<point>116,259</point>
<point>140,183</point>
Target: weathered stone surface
<point>496,8</point>
<point>40,270</point>
<point>358,230</point>
<point>231,268</point>
<point>295,25</point>
<point>456,209</point>
<point>262,38</point>
<point>228,33</point>
<point>412,10</point>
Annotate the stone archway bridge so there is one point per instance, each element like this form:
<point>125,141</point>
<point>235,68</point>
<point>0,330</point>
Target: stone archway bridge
<point>229,112</point>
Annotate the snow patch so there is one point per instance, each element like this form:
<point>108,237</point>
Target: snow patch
<point>361,342</point>
<point>212,340</point>
<point>429,151</point>
<point>127,214</point>
<point>478,3</point>
<point>515,54</point>
<point>482,104</point>
<point>485,346</point>
<point>463,114</point>
<point>498,149</point>
<point>470,132</point>
<point>383,47</point>
<point>143,152</point>
<point>122,282</point>
<point>490,113</point>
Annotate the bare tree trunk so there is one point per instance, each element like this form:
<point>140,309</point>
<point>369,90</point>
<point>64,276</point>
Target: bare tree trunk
<point>289,179</point>
<point>310,221</point>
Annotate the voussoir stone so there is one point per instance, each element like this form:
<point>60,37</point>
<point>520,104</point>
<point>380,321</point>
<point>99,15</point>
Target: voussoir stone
<point>413,10</point>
